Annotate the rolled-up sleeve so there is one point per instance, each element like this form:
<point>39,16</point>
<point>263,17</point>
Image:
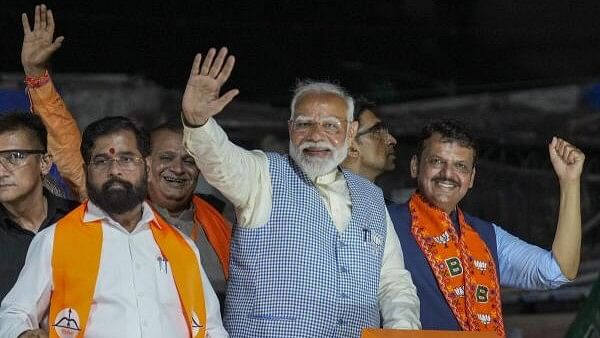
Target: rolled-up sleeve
<point>524,265</point>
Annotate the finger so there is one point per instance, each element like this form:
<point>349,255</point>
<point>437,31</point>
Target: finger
<point>207,61</point>
<point>43,13</point>
<point>50,18</point>
<point>216,67</point>
<point>36,21</point>
<point>575,155</point>
<point>56,44</point>
<point>224,74</point>
<point>226,98</point>
<point>25,21</point>
<point>196,65</point>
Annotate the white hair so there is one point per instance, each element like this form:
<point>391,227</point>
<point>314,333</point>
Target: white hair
<point>315,87</point>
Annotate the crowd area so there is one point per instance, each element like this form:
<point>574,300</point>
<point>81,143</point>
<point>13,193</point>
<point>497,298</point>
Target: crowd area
<point>315,250</point>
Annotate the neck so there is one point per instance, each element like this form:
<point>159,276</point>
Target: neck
<point>129,219</point>
<point>30,211</point>
<point>174,207</point>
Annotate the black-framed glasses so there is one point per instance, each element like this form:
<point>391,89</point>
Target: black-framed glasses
<point>125,162</point>
<point>378,129</point>
<point>14,158</point>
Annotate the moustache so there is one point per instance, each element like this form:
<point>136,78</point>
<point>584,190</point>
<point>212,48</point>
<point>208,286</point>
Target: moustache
<point>442,179</point>
<point>321,145</point>
<point>113,181</point>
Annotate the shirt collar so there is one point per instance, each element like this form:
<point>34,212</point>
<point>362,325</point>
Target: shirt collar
<point>94,213</point>
<point>327,178</point>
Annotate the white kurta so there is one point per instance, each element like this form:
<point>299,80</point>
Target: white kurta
<point>135,292</point>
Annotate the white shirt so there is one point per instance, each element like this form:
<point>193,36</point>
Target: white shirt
<point>243,177</point>
<point>135,295</point>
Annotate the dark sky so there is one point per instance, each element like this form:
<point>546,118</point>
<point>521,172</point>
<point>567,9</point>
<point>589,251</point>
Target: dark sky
<point>388,50</point>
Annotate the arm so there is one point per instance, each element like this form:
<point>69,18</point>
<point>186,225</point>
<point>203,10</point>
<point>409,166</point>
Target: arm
<point>26,304</point>
<point>242,176</point>
<point>524,265</point>
<point>567,161</point>
<point>398,301</point>
<point>64,137</point>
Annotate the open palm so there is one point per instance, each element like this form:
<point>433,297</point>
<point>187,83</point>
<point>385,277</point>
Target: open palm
<point>38,46</point>
<point>201,98</point>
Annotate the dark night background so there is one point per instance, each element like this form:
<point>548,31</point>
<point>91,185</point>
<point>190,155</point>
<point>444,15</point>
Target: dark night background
<point>388,50</point>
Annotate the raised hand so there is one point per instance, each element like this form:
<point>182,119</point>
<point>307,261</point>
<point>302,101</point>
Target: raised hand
<point>201,98</point>
<point>566,159</point>
<point>38,46</point>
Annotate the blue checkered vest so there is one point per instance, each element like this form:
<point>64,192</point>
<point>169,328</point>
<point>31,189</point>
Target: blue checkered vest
<point>297,276</point>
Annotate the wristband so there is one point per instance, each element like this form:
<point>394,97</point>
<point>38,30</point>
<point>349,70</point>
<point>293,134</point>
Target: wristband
<point>37,81</point>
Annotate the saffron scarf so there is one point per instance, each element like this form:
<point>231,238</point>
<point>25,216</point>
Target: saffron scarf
<point>462,264</point>
<point>75,265</point>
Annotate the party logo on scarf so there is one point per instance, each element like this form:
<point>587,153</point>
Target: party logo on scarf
<point>66,323</point>
<point>454,266</point>
<point>481,293</point>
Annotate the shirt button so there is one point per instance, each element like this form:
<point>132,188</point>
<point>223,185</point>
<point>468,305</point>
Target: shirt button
<point>343,295</point>
<point>341,322</point>
<point>145,323</point>
<point>140,294</point>
<point>342,244</point>
<point>343,269</point>
<point>138,266</point>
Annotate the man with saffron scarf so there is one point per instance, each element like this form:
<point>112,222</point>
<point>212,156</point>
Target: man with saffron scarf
<point>458,261</point>
<point>112,267</point>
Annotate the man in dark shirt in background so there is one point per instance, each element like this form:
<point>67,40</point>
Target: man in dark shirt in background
<point>25,206</point>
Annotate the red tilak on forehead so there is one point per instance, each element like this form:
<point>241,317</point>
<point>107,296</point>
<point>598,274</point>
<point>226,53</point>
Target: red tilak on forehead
<point>111,150</point>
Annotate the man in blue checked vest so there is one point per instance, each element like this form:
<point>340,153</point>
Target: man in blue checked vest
<point>315,253</point>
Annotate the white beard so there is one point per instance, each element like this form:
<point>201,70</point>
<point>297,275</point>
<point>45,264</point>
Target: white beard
<point>313,166</point>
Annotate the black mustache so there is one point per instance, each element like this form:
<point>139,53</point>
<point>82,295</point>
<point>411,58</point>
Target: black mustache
<point>112,181</point>
<point>440,179</point>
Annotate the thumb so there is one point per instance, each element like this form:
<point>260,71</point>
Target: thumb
<point>56,44</point>
<point>226,98</point>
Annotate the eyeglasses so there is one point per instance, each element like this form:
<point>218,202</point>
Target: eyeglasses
<point>14,158</point>
<point>378,129</point>
<point>329,125</point>
<point>125,162</point>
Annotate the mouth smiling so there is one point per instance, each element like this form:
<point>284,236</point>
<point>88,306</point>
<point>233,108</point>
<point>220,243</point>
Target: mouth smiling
<point>446,184</point>
<point>175,181</point>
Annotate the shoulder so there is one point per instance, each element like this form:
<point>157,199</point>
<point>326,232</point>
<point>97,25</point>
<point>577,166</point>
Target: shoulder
<point>215,202</point>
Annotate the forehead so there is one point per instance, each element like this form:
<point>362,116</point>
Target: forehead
<point>321,104</point>
<point>166,140</point>
<point>18,139</point>
<point>447,148</point>
<point>367,119</point>
<point>121,141</point>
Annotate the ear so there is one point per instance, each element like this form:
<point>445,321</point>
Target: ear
<point>45,163</point>
<point>472,178</point>
<point>148,163</point>
<point>353,150</point>
<point>148,166</point>
<point>352,129</point>
<point>414,166</point>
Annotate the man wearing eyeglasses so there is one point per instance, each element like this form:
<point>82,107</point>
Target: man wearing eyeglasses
<point>25,206</point>
<point>372,151</point>
<point>314,253</point>
<point>112,267</point>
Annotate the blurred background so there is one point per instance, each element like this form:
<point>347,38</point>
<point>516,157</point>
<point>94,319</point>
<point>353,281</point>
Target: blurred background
<point>517,72</point>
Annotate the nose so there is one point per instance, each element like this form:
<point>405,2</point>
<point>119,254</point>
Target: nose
<point>176,166</point>
<point>315,133</point>
<point>114,169</point>
<point>391,139</point>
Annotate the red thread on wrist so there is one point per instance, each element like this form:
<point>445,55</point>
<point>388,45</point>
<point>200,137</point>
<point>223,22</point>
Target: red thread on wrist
<point>37,81</point>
